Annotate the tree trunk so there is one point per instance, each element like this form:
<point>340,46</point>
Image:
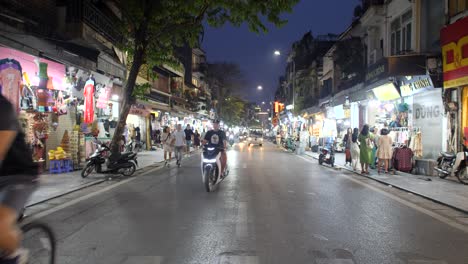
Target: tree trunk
<point>127,101</point>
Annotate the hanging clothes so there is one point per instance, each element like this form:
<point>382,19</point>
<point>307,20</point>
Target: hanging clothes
<point>89,102</point>
<point>10,80</point>
<point>417,145</point>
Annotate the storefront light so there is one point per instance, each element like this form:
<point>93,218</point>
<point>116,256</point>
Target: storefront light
<point>374,103</point>
<point>389,107</point>
<point>115,97</point>
<point>347,123</point>
<point>339,121</point>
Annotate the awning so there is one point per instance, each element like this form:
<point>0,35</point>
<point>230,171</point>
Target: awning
<point>407,65</point>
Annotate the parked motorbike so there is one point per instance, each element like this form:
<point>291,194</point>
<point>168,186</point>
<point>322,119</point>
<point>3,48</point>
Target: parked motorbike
<point>327,155</point>
<point>125,164</point>
<point>210,165</point>
<point>451,164</point>
<point>289,144</point>
<point>136,146</point>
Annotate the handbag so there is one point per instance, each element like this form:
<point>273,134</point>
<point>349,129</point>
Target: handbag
<point>369,143</point>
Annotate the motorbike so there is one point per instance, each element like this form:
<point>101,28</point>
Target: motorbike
<point>210,165</point>
<point>136,146</point>
<point>451,164</point>
<point>231,139</point>
<point>125,164</point>
<point>327,155</point>
<point>289,144</point>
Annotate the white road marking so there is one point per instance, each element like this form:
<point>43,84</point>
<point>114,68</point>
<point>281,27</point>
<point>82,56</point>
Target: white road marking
<point>320,237</point>
<point>80,199</point>
<point>441,218</point>
<point>143,260</point>
<point>239,260</point>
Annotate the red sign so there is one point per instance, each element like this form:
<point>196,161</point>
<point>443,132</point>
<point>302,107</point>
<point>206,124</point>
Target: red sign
<point>454,41</point>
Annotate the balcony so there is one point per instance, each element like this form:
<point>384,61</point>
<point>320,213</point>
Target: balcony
<point>83,11</point>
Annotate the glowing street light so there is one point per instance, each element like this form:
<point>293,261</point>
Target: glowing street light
<point>277,53</point>
<point>263,103</point>
<point>260,87</point>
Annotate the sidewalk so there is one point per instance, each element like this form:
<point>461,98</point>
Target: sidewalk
<point>53,185</point>
<point>447,192</point>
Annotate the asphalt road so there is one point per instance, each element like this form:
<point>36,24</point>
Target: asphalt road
<point>274,207</point>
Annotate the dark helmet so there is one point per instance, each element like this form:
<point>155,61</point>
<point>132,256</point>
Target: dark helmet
<point>216,121</point>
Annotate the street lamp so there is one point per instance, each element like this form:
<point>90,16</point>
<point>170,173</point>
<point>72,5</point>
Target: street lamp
<point>278,53</point>
<point>263,103</point>
<point>260,87</point>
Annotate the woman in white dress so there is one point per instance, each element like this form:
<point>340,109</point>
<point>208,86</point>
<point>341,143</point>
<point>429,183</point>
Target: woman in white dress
<point>355,151</point>
<point>166,140</point>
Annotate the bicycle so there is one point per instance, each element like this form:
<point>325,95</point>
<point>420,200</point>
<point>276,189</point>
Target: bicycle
<point>38,238</point>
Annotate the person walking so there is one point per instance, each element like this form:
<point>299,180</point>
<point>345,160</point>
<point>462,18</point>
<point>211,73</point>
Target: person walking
<point>384,151</point>
<point>375,137</point>
<point>166,139</point>
<point>188,138</point>
<point>347,141</point>
<point>365,148</point>
<point>355,152</point>
<point>196,139</point>
<point>179,143</point>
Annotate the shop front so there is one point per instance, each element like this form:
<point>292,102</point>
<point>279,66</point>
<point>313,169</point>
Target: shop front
<point>454,39</point>
<point>58,106</point>
<point>403,98</point>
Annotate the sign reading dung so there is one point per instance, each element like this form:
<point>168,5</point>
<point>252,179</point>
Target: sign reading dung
<point>428,112</point>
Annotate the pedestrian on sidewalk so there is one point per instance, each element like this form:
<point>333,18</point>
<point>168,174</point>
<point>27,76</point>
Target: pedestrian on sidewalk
<point>374,137</point>
<point>166,139</point>
<point>355,152</point>
<point>365,147</point>
<point>384,152</point>
<point>179,143</point>
<point>196,139</point>
<point>188,138</point>
<point>347,141</point>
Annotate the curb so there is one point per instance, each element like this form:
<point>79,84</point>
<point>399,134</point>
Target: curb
<point>401,188</point>
<point>138,171</point>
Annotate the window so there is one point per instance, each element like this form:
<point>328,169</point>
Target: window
<point>457,6</point>
<point>401,34</point>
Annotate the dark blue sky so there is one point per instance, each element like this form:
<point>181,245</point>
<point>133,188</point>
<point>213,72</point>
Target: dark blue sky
<point>254,52</point>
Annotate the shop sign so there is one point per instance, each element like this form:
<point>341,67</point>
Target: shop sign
<point>415,85</point>
<point>427,116</point>
<point>454,41</point>
<point>140,111</point>
<point>377,71</point>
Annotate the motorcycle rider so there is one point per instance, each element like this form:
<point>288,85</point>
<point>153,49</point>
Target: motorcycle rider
<point>217,138</point>
<point>21,174</point>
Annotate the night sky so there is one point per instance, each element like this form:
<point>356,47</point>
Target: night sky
<point>254,52</point>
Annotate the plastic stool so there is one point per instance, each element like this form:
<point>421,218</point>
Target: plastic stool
<point>55,166</point>
<point>67,165</point>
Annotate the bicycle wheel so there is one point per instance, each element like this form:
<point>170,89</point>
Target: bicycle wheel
<point>39,240</point>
